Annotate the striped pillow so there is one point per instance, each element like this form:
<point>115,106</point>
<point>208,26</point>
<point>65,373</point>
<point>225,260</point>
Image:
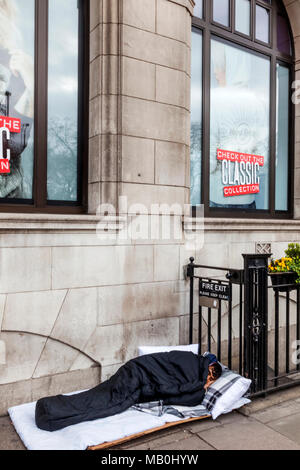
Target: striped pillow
<point>221,396</point>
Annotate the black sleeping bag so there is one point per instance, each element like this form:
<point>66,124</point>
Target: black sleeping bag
<point>176,378</point>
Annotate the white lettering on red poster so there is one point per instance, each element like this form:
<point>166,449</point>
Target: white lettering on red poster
<point>7,125</point>
<point>240,172</point>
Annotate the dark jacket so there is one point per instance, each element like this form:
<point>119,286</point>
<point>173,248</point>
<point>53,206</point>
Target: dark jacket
<point>176,377</point>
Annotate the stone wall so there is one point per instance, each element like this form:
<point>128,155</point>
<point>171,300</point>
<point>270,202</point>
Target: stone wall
<point>71,302</point>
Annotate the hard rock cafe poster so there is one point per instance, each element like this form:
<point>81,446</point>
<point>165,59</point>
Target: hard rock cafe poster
<point>240,172</point>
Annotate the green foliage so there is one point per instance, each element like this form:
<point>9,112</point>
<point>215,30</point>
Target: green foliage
<point>295,266</point>
<point>293,251</point>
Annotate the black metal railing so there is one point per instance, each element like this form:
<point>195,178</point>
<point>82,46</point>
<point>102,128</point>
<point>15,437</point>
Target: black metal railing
<point>251,325</point>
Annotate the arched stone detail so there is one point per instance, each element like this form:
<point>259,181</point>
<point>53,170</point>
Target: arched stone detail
<point>45,356</point>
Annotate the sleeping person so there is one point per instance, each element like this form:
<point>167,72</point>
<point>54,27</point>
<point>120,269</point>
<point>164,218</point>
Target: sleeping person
<point>175,378</point>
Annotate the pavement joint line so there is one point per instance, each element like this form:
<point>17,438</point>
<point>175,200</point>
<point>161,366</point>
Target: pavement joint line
<point>197,434</point>
<point>206,442</point>
<point>272,399</point>
<point>148,439</point>
<point>276,419</point>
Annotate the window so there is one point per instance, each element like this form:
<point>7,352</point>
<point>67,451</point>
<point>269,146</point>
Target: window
<point>43,96</point>
<point>196,119</point>
<point>241,119</point>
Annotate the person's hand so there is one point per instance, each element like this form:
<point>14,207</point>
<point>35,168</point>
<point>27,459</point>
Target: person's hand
<point>209,382</point>
<point>21,64</point>
<point>210,379</point>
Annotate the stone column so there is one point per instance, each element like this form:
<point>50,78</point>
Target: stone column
<point>105,105</point>
<point>139,101</point>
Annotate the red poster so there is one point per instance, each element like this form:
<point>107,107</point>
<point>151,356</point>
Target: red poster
<point>241,190</point>
<point>4,166</point>
<point>12,124</point>
<point>240,172</point>
<point>240,157</point>
<point>7,125</point>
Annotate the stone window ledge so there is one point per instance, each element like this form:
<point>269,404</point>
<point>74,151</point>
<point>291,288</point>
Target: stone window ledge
<point>46,222</point>
<point>242,225</point>
<point>16,222</point>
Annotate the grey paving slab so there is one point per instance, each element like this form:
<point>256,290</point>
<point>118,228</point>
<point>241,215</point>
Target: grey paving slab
<point>277,412</point>
<point>131,447</point>
<point>9,439</point>
<point>157,439</point>
<point>191,443</point>
<point>144,440</point>
<point>202,425</point>
<point>270,400</point>
<point>248,435</point>
<point>288,426</point>
<point>233,417</point>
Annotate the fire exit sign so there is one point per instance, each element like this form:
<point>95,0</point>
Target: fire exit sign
<point>214,290</point>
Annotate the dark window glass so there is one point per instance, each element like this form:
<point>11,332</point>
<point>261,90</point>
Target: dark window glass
<point>221,12</point>
<point>196,118</point>
<point>283,36</point>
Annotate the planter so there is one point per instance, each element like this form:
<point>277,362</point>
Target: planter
<point>279,279</point>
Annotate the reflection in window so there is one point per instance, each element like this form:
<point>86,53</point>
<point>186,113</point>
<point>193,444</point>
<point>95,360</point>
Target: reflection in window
<point>282,134</point>
<point>198,9</point>
<point>63,101</point>
<point>240,83</point>
<point>242,16</point>
<point>196,118</point>
<point>17,94</point>
<point>262,24</point>
<point>221,11</point>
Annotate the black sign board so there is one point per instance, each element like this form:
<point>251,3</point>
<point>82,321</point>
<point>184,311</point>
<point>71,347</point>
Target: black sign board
<point>214,290</point>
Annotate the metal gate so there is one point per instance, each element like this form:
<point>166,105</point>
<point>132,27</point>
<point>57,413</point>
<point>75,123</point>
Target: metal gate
<point>251,325</point>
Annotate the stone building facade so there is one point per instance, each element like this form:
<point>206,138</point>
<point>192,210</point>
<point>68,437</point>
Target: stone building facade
<point>75,305</point>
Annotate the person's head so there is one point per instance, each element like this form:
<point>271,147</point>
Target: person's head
<point>214,372</point>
